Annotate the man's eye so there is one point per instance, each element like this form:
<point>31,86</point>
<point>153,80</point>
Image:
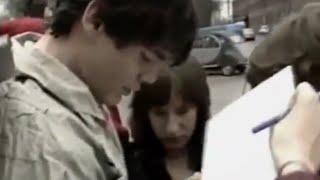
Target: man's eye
<point>145,58</point>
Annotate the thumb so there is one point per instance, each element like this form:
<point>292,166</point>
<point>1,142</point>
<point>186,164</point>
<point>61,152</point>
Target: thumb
<point>304,94</point>
<point>195,176</point>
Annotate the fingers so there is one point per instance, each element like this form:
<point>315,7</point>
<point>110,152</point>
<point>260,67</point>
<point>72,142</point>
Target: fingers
<point>294,136</point>
<point>195,176</point>
<point>305,95</point>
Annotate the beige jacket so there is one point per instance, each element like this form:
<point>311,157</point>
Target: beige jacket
<point>51,127</point>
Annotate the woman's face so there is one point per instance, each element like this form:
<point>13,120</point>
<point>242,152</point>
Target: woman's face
<point>174,123</point>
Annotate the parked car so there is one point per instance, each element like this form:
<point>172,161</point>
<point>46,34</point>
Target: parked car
<point>218,55</point>
<point>234,37</point>
<point>206,49</point>
<point>249,34</point>
<point>264,29</point>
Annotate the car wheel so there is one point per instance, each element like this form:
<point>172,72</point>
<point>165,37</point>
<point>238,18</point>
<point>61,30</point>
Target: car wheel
<point>227,70</point>
<point>241,69</point>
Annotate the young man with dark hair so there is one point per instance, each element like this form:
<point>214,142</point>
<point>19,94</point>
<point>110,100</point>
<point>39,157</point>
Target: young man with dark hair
<point>53,122</point>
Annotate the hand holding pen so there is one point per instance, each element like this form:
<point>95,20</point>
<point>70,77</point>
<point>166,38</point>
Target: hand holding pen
<point>274,120</point>
<point>296,137</point>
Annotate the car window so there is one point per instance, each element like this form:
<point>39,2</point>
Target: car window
<point>206,42</point>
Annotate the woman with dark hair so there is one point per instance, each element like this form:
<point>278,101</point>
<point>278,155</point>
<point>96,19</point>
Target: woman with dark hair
<point>167,124</point>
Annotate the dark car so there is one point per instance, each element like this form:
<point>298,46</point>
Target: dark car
<point>218,54</point>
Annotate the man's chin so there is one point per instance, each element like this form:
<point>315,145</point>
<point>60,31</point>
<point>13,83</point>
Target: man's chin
<point>112,100</point>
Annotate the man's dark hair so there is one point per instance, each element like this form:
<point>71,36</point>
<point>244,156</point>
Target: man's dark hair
<point>165,24</point>
<point>189,81</point>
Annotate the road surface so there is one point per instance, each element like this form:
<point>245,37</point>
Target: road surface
<point>224,90</point>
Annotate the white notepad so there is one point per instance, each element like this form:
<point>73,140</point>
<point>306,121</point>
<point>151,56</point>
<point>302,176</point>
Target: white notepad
<point>231,151</point>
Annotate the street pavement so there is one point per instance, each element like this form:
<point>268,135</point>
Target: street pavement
<point>226,89</point>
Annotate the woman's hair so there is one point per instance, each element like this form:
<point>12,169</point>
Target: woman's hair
<point>189,81</point>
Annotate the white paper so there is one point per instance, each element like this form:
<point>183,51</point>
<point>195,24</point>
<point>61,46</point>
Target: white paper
<point>231,150</point>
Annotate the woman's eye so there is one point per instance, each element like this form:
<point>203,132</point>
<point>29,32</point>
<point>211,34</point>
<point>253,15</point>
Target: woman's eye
<point>159,112</point>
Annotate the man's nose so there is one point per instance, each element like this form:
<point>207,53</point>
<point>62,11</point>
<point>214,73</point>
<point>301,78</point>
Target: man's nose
<point>152,74</point>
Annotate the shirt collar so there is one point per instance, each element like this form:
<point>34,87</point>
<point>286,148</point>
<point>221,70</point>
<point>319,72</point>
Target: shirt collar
<point>53,75</point>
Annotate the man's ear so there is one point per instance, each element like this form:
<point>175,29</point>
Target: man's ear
<point>90,21</point>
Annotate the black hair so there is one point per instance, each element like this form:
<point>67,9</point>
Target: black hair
<point>165,24</point>
<point>189,80</point>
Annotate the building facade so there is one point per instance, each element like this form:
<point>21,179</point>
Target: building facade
<point>268,12</point>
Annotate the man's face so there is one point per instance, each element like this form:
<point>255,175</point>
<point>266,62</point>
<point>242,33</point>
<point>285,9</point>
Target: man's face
<point>112,72</point>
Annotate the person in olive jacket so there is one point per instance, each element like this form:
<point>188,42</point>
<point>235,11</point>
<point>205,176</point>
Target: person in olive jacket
<point>294,42</point>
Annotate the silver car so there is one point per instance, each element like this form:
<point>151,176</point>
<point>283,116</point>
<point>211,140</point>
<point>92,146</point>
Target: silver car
<point>218,55</point>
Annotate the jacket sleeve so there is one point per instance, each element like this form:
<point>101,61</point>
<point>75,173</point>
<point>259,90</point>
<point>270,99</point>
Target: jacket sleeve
<point>299,176</point>
<point>21,143</point>
<point>295,40</point>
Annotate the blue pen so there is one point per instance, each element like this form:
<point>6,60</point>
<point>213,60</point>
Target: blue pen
<point>270,122</point>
